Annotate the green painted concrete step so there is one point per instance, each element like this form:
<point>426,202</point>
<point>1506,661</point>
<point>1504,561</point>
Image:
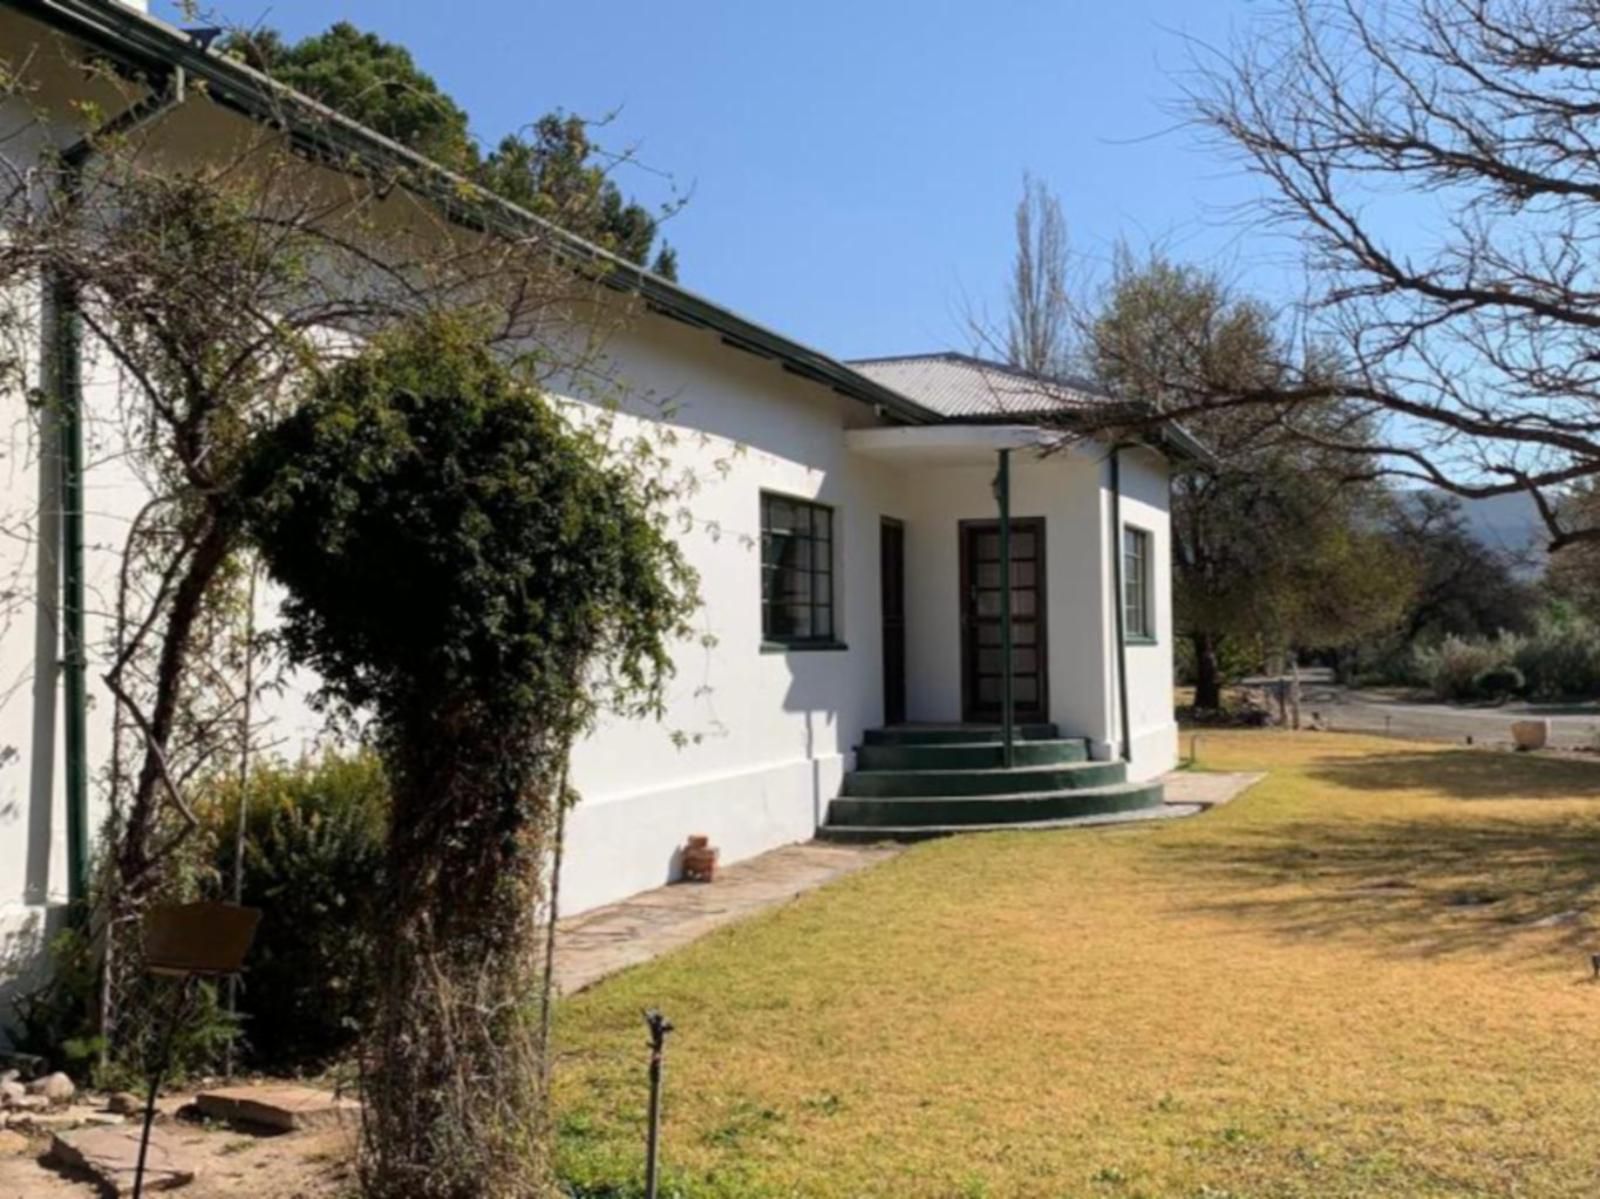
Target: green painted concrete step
<point>1024,780</point>
<point>953,734</point>
<point>872,834</point>
<point>984,755</point>
<point>911,812</point>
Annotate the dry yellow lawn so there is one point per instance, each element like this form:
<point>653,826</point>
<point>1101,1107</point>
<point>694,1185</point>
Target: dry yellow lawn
<point>1336,986</point>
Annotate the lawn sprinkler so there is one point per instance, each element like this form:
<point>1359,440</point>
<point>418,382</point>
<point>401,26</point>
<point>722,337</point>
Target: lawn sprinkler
<point>659,1027</point>
<point>188,941</point>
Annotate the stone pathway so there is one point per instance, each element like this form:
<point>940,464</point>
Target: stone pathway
<point>612,938</point>
<point>1207,788</point>
<point>601,942</point>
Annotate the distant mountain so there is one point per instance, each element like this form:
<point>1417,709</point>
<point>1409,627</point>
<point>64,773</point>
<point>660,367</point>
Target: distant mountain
<point>1510,524</point>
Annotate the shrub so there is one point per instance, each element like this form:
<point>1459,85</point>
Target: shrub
<point>313,862</point>
<point>1453,667</point>
<point>1498,682</point>
<point>1561,657</point>
<point>542,586</point>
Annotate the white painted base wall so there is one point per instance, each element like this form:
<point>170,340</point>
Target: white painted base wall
<point>631,843</point>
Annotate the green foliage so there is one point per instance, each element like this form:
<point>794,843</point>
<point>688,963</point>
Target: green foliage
<point>1560,658</point>
<point>555,171</point>
<point>313,863</point>
<point>484,578</point>
<point>1499,683</point>
<point>368,80</point>
<point>425,469</point>
<point>56,1021</point>
<point>1453,667</point>
<point>1271,543</point>
<point>1463,586</point>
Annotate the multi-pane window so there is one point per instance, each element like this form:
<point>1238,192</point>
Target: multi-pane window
<point>1137,618</point>
<point>796,570</point>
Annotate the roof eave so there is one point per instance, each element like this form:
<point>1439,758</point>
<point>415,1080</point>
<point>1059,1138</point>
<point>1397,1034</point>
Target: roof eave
<point>146,42</point>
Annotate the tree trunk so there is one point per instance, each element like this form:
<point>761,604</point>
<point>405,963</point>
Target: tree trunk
<point>1207,673</point>
<point>454,1081</point>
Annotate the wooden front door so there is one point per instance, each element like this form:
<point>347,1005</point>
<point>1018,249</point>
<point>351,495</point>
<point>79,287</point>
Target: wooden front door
<point>982,659</point>
<point>892,580</point>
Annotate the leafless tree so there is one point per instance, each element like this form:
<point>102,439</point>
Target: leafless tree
<point>1039,313</point>
<point>1438,161</point>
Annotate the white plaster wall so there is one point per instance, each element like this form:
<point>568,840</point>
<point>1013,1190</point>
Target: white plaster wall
<point>1145,503</point>
<point>1063,489</point>
<point>769,734</point>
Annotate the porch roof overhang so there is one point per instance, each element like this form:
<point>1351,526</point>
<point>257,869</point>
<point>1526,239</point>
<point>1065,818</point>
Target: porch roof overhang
<point>951,445</point>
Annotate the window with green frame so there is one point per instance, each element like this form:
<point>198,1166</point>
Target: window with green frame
<point>796,571</point>
<point>1138,619</point>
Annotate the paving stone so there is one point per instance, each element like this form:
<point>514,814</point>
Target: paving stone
<point>110,1155</point>
<point>284,1108</point>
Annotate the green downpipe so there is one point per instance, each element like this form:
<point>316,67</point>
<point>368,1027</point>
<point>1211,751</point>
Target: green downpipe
<point>1120,600</point>
<point>67,355</point>
<point>68,348</point>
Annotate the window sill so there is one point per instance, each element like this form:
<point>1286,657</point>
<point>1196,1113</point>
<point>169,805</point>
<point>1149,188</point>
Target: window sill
<point>802,647</point>
<point>1141,641</point>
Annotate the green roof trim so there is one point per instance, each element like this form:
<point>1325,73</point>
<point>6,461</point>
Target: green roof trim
<point>148,44</point>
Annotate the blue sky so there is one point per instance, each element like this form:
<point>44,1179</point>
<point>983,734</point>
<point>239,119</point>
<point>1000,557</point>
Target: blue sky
<point>854,165</point>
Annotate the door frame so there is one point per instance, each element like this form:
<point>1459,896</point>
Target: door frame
<point>1036,525</point>
<point>899,526</point>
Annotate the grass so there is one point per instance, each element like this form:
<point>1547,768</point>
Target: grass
<point>1361,979</point>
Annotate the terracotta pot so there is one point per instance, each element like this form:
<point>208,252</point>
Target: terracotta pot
<point>699,860</point>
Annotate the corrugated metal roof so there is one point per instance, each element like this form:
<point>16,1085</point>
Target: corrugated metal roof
<point>961,386</point>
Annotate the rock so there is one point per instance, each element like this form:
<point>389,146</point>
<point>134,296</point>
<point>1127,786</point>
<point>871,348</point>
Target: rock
<point>1530,734</point>
<point>11,1093</point>
<point>110,1155</point>
<point>284,1108</point>
<point>125,1103</point>
<point>29,1103</point>
<point>12,1143</point>
<point>57,1088</point>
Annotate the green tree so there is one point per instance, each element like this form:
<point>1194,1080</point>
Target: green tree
<point>541,587</point>
<point>1274,541</point>
<point>1464,588</point>
<point>369,80</point>
<point>556,171</point>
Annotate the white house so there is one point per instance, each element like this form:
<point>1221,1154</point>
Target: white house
<point>850,556</point>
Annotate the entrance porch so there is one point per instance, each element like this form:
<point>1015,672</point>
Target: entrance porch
<point>945,759</point>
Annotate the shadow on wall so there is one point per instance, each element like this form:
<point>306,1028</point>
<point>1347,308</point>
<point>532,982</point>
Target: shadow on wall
<point>1469,880</point>
<point>816,681</point>
<point>25,959</point>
